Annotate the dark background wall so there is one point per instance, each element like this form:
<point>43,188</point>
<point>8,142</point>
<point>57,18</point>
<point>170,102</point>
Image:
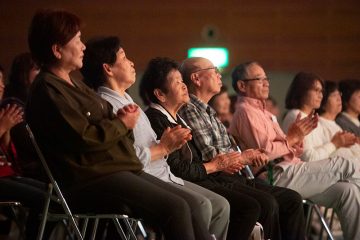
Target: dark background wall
<point>284,36</point>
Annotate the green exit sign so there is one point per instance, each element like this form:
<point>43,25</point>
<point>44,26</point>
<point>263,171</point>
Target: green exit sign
<point>219,56</point>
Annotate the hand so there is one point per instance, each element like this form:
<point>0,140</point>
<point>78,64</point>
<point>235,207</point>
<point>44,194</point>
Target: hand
<point>174,138</point>
<point>254,157</point>
<point>234,168</point>
<point>10,115</point>
<point>301,127</point>
<point>227,162</point>
<point>298,149</point>
<point>343,139</point>
<point>129,115</point>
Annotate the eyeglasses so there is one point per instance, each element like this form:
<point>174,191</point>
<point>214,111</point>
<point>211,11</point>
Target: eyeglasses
<point>203,69</point>
<point>257,79</point>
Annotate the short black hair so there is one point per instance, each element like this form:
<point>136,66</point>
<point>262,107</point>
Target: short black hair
<point>49,27</point>
<point>329,88</point>
<point>155,77</point>
<point>99,50</point>
<point>348,87</point>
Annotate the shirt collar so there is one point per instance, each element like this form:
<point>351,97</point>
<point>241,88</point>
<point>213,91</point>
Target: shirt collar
<point>168,115</point>
<point>260,104</point>
<point>113,94</point>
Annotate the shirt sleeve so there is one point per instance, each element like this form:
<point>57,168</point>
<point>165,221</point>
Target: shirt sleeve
<point>200,130</point>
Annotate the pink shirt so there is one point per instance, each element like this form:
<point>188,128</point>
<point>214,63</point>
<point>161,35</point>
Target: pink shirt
<point>256,128</point>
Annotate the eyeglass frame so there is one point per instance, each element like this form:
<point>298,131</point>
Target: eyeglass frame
<point>217,70</point>
<point>256,79</point>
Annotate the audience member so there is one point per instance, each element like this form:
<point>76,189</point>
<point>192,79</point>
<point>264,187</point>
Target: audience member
<point>317,180</point>
<point>349,118</point>
<point>111,73</point>
<point>22,73</point>
<point>280,208</point>
<point>91,148</point>
<point>221,104</point>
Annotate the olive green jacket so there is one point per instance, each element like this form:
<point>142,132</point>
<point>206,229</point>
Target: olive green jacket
<point>77,131</point>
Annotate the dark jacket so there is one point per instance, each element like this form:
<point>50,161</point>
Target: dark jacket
<point>189,166</point>
<point>79,134</point>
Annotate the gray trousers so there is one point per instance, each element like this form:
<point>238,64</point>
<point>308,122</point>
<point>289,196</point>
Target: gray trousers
<point>215,209</point>
<point>332,182</point>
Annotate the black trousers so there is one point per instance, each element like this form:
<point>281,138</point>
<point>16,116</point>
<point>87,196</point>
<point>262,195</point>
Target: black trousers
<point>31,193</point>
<point>279,210</point>
<point>150,198</point>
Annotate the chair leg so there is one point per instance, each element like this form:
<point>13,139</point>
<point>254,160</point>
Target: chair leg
<point>324,224</point>
<point>45,213</point>
<point>93,234</point>
<point>119,229</point>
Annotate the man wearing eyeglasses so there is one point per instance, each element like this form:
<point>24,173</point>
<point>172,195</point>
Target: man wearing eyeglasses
<point>330,182</point>
<point>281,209</point>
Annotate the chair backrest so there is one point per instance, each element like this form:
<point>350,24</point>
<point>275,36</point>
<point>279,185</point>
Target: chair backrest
<point>54,183</point>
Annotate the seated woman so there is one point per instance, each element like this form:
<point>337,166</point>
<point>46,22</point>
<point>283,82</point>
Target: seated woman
<point>349,118</point>
<point>304,96</point>
<point>13,187</point>
<point>330,107</point>
<point>111,73</point>
<point>89,148</point>
<point>221,104</point>
<point>162,88</point>
<point>22,73</point>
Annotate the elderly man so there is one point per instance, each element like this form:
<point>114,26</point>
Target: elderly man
<point>321,181</point>
<point>279,206</point>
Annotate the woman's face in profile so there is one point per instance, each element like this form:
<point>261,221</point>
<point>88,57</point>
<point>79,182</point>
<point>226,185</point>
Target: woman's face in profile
<point>72,53</point>
<point>177,91</point>
<point>314,96</point>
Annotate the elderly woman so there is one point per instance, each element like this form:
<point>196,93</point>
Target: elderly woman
<point>111,73</point>
<point>349,118</point>
<point>305,95</point>
<point>89,148</point>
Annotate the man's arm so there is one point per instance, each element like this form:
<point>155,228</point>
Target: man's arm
<point>201,131</point>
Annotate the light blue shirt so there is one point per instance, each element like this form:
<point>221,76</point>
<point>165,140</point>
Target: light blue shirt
<point>145,137</point>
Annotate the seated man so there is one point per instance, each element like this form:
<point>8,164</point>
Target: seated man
<point>278,205</point>
<point>318,181</point>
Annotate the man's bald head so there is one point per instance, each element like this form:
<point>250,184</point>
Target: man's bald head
<point>191,65</point>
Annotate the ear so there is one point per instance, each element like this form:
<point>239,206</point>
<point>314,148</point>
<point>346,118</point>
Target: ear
<point>241,86</point>
<point>159,95</point>
<point>107,69</point>
<point>56,49</point>
<point>195,79</point>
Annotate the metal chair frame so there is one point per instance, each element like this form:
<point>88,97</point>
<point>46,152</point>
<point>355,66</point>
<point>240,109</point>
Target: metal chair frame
<point>324,224</point>
<point>13,205</point>
<point>70,219</point>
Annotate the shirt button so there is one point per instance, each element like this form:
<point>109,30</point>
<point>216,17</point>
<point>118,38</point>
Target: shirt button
<point>88,114</point>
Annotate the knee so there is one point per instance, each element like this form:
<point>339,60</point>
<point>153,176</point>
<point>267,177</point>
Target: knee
<point>221,206</point>
<point>349,191</point>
